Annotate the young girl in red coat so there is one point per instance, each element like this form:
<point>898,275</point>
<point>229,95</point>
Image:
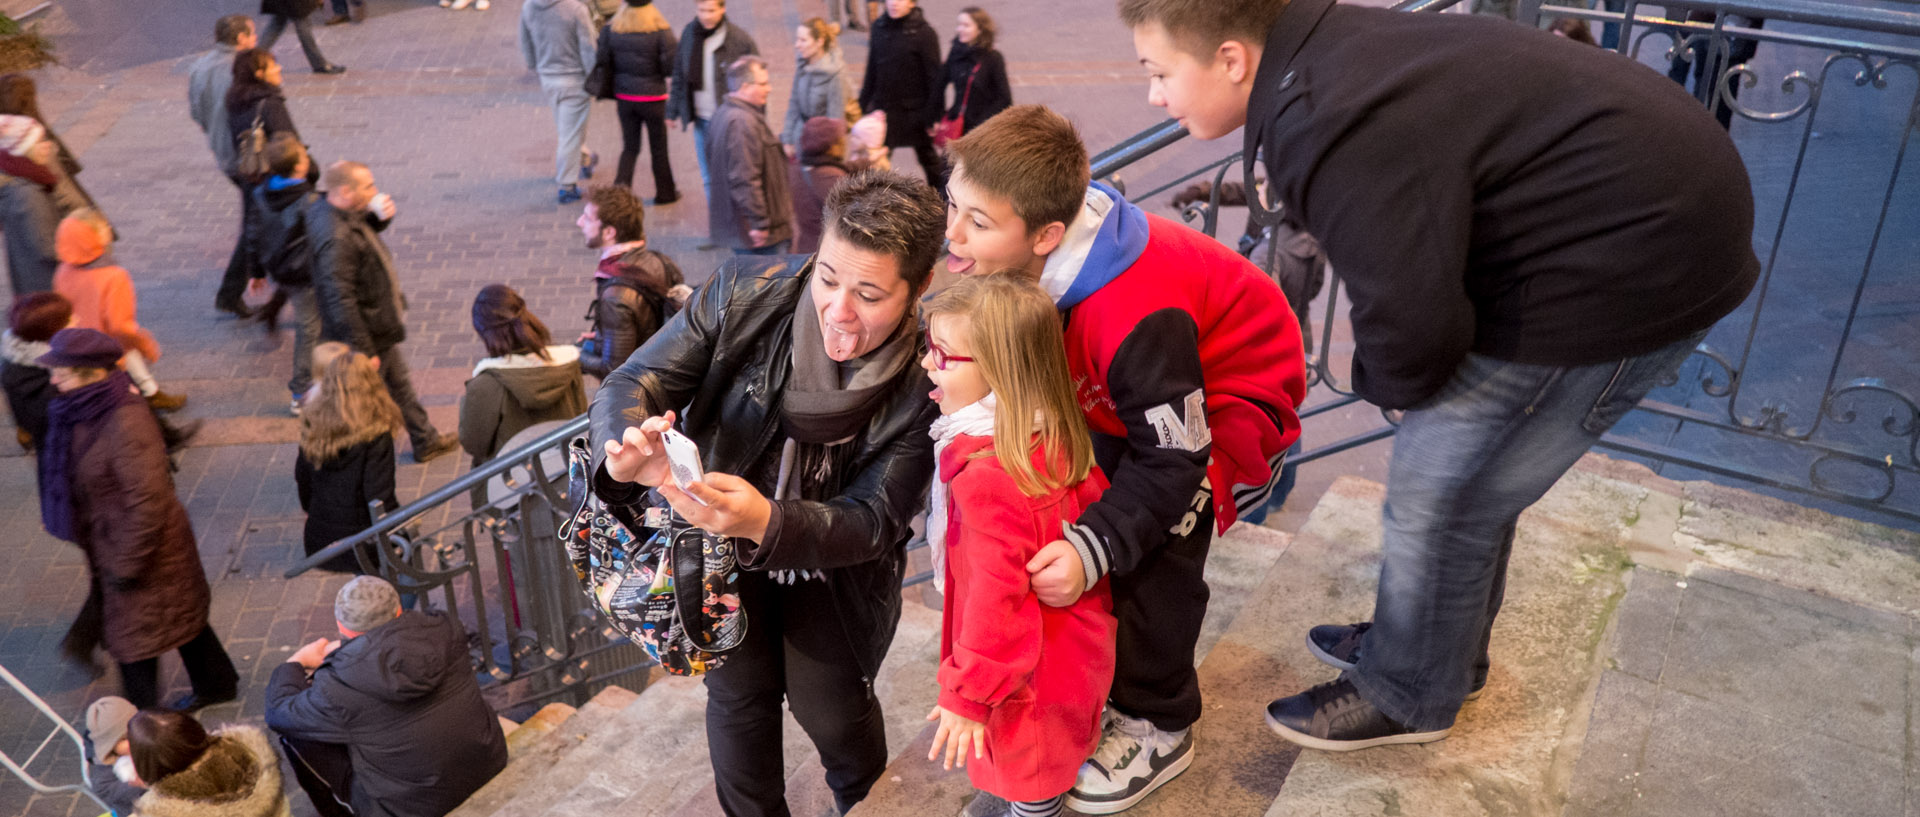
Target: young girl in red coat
<point>1022,684</point>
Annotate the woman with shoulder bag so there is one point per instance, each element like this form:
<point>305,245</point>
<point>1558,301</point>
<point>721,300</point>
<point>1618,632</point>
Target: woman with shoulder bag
<point>821,86</point>
<point>256,112</point>
<point>639,46</point>
<point>904,80</point>
<point>977,74</point>
<point>798,380</point>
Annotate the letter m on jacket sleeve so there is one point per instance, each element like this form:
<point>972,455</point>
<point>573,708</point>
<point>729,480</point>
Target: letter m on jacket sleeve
<point>1185,429</point>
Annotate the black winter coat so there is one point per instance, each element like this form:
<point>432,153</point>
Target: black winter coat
<point>904,76</point>
<point>726,359</point>
<point>280,216</point>
<point>642,61</point>
<point>628,308</point>
<point>354,280</point>
<point>1594,214</point>
<point>335,496</point>
<point>246,101</point>
<point>403,700</point>
<point>29,391</point>
<point>990,93</point>
<point>738,44</point>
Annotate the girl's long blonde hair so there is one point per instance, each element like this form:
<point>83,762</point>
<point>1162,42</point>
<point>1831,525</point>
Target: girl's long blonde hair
<point>638,20</point>
<point>1014,335</point>
<point>350,407</point>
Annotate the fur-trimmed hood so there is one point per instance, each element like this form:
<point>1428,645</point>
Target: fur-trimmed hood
<point>238,777</point>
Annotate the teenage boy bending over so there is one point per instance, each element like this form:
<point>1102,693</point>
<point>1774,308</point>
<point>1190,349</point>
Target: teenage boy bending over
<point>1524,266</point>
<point>1188,365</point>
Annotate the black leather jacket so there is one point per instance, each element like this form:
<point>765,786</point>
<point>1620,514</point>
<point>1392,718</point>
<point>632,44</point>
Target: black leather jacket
<point>354,281</point>
<point>726,358</point>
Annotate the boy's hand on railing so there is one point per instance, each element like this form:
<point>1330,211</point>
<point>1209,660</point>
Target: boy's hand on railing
<point>638,456</point>
<point>733,506</point>
<point>1058,577</point>
<point>955,734</point>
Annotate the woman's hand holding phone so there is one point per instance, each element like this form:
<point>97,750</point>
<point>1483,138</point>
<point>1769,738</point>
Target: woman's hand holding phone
<point>639,456</point>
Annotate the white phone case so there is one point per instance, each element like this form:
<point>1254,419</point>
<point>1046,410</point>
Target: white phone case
<point>683,460</point>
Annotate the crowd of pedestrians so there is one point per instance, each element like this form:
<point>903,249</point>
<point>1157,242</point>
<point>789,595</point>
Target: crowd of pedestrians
<point>1101,394</point>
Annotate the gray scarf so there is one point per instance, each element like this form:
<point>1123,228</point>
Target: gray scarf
<point>816,408</point>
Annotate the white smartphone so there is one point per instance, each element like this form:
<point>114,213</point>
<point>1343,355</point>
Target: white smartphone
<point>683,460</point>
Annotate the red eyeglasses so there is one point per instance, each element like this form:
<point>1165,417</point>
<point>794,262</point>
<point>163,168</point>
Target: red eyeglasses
<point>940,356</point>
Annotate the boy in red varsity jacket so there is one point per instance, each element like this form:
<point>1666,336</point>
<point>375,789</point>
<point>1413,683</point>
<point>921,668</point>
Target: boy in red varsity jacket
<point>1187,362</point>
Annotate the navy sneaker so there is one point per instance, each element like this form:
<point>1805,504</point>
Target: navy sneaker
<point>569,194</point>
<point>1338,646</point>
<point>1333,717</point>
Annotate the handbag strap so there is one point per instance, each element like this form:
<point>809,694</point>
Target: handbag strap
<point>969,92</point>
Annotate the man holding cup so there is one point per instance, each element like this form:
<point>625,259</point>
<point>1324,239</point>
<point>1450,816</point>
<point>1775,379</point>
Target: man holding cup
<point>359,291</point>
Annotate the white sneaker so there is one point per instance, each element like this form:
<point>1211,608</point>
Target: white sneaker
<point>482,5</point>
<point>295,408</point>
<point>460,4</point>
<point>445,3</point>
<point>1133,759</point>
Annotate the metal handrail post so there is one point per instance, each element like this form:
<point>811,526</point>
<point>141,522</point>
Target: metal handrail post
<point>60,725</point>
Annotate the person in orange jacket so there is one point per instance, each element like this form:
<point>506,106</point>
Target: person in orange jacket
<point>103,299</point>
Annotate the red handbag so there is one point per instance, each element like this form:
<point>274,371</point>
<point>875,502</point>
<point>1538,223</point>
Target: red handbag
<point>953,127</point>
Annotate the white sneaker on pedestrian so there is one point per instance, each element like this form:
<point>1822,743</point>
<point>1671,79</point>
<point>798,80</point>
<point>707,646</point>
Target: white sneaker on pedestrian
<point>482,5</point>
<point>446,3</point>
<point>295,408</point>
<point>460,4</point>
<point>1133,759</point>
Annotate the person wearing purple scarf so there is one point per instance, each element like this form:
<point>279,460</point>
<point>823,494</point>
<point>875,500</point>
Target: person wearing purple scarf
<point>106,485</point>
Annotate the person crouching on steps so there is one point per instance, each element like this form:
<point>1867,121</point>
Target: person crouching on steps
<point>999,367</point>
<point>346,451</point>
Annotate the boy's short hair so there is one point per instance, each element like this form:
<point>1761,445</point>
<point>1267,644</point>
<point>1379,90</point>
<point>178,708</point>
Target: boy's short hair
<point>619,208</point>
<point>1198,27</point>
<point>284,153</point>
<point>1033,158</point>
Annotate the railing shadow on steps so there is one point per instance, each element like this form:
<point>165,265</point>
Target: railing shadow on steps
<point>545,638</point>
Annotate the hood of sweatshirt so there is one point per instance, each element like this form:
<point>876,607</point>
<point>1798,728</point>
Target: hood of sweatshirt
<point>281,196</point>
<point>829,63</point>
<point>78,243</point>
<point>535,383</point>
<point>1107,238</point>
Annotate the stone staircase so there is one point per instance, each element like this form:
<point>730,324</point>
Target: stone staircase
<point>1609,544</point>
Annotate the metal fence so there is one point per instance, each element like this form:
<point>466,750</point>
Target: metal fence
<point>1768,398</point>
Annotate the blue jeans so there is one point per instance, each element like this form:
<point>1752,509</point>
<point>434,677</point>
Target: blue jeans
<point>776,248</point>
<point>700,150</point>
<point>306,335</point>
<point>1465,464</point>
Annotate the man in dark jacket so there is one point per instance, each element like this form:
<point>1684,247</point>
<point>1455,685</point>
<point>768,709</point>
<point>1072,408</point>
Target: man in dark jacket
<point>752,212</point>
<point>708,45</point>
<point>906,79</point>
<point>1523,266</point>
<point>635,288</point>
<point>279,239</point>
<point>359,293</point>
<point>388,721</point>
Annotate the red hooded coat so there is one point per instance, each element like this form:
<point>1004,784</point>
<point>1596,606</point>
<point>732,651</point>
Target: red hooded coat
<point>1037,676</point>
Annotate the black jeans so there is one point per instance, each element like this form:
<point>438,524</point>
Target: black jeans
<point>796,649</point>
<point>208,667</point>
<point>244,263</point>
<point>930,161</point>
<point>399,380</point>
<point>278,23</point>
<point>325,773</point>
<point>1160,604</point>
<point>652,117</point>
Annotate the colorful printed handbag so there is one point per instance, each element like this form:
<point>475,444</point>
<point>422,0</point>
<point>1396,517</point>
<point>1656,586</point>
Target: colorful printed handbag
<point>688,626</point>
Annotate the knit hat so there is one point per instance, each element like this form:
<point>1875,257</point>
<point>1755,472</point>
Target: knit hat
<point>82,349</point>
<point>79,241</point>
<point>18,134</point>
<point>819,136</point>
<point>365,603</point>
<point>35,316</point>
<point>107,723</point>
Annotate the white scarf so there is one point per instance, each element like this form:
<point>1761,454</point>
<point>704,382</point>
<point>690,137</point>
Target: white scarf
<point>975,420</point>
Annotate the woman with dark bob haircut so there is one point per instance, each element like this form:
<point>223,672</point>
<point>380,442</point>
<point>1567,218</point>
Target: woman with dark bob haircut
<point>233,772</point>
<point>525,379</point>
<point>799,384</point>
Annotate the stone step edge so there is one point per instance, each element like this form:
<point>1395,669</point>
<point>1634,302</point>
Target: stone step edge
<point>536,755</point>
